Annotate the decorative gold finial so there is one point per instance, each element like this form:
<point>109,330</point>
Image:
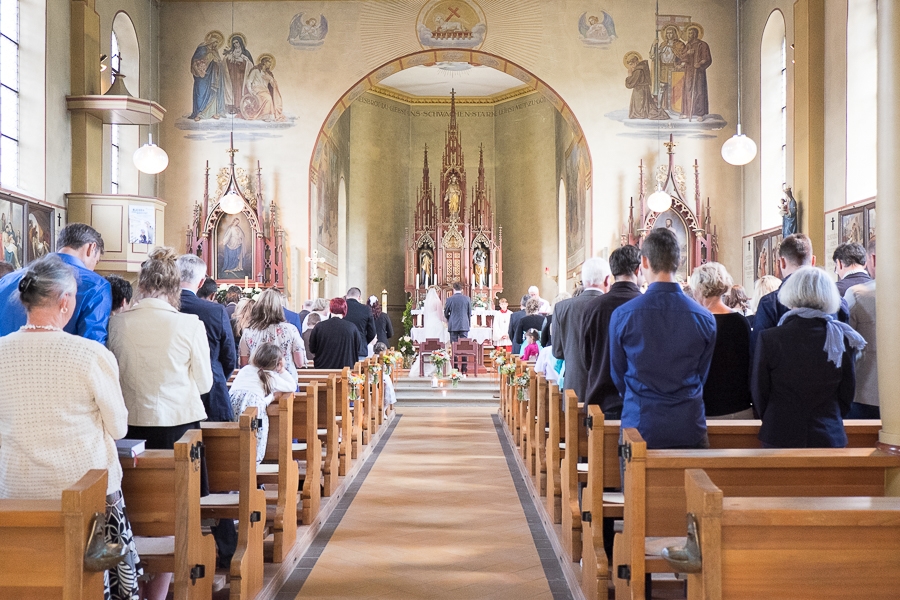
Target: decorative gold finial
<point>670,145</point>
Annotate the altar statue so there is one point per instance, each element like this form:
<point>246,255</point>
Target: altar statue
<point>479,258</point>
<point>453,194</point>
<point>426,263</point>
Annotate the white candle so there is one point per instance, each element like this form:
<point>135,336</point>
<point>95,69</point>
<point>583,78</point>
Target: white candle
<point>417,281</point>
<point>491,280</point>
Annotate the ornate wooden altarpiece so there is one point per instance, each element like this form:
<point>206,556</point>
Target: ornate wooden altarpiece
<point>240,247</point>
<point>453,239</point>
<point>700,244</point>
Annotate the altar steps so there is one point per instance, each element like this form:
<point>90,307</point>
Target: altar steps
<point>471,391</point>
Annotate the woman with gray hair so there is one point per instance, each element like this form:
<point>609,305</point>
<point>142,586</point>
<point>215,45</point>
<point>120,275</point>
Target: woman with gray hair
<point>804,376</point>
<point>56,427</point>
<point>726,393</point>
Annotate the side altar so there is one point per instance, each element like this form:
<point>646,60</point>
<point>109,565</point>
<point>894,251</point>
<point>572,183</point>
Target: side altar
<point>453,238</point>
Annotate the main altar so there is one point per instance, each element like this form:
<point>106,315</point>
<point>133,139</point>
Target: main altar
<point>454,238</point>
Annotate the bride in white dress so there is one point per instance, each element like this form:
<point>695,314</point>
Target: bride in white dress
<point>435,326</point>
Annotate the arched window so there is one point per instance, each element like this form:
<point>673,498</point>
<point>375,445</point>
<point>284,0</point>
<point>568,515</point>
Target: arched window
<point>115,65</point>
<point>773,119</point>
<point>862,99</point>
<point>9,93</point>
<point>123,140</point>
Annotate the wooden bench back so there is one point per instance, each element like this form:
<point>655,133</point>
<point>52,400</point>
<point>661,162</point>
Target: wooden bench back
<point>231,452</point>
<point>815,547</point>
<point>42,543</point>
<point>279,451</point>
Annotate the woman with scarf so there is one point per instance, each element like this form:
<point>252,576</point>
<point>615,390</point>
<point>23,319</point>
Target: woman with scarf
<point>804,377</point>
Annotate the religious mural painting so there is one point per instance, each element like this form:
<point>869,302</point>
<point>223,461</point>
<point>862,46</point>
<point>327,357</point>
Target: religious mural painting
<point>852,230</point>
<point>596,29</point>
<point>673,221</point>
<point>451,24</point>
<point>763,258</point>
<point>576,203</point>
<point>870,219</point>
<point>231,89</point>
<point>669,88</point>
<point>328,179</point>
<point>307,32</point>
<point>12,218</point>
<point>775,252</point>
<point>234,244</point>
<point>40,233</point>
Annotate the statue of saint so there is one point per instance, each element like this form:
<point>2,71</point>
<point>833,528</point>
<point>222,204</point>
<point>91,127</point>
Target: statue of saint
<point>453,194</point>
<point>479,260</point>
<point>788,210</point>
<point>426,263</point>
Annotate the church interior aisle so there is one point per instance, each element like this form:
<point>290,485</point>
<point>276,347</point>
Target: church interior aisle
<point>438,516</point>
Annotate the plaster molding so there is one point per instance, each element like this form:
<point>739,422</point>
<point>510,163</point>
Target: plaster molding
<point>398,96</point>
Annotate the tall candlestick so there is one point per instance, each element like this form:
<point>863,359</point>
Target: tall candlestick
<point>246,281</point>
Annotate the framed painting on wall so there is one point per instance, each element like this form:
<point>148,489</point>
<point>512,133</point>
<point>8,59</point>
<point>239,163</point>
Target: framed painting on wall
<point>234,247</point>
<point>852,227</point>
<point>761,247</point>
<point>774,253</point>
<point>673,221</point>
<point>12,225</point>
<point>40,232</point>
<point>870,224</point>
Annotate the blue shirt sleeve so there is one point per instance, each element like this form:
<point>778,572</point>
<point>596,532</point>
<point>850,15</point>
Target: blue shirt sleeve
<point>93,309</point>
<point>709,325</point>
<point>618,362</point>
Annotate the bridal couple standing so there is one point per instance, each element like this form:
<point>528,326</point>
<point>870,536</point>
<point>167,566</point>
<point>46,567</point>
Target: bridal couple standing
<point>444,321</point>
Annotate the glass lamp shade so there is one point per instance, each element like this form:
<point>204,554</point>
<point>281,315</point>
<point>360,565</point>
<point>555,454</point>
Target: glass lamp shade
<point>739,150</point>
<point>659,201</point>
<point>150,158</point>
<point>231,203</point>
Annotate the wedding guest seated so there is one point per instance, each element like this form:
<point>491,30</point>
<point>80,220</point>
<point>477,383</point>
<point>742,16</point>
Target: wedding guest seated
<point>804,376</point>
<point>121,293</point>
<point>5,268</point>
<point>56,427</point>
<point>531,350</point>
<point>268,325</point>
<point>208,290</point>
<point>726,393</point>
<point>335,342</point>
<point>256,384</point>
<point>312,322</point>
<point>764,285</point>
<point>532,320</point>
<point>80,247</point>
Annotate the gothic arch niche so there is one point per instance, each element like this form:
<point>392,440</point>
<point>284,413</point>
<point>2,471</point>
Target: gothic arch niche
<point>319,163</point>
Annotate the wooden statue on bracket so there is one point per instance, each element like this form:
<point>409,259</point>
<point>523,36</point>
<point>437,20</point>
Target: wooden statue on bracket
<point>240,241</point>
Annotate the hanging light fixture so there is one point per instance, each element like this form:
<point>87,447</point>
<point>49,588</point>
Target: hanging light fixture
<point>150,158</point>
<point>231,202</point>
<point>739,150</point>
<point>659,201</point>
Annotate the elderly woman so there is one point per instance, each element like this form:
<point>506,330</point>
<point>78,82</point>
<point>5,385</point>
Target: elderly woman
<point>726,393</point>
<point>803,377</point>
<point>268,325</point>
<point>57,426</point>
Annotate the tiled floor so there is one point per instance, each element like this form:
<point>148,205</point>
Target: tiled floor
<point>438,516</point>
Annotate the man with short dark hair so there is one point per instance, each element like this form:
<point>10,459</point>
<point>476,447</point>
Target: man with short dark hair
<point>625,266</point>
<point>861,305</point>
<point>121,292</point>
<point>850,266</point>
<point>232,297</point>
<point>5,268</point>
<point>208,290</point>
<point>660,347</point>
<point>795,252</point>
<point>458,312</point>
<point>80,246</point>
<point>514,322</point>
<point>361,315</point>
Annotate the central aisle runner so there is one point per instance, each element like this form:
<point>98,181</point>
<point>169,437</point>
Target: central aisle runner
<point>438,516</point>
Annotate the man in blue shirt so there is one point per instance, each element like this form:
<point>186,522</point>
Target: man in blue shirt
<point>661,346</point>
<point>79,246</point>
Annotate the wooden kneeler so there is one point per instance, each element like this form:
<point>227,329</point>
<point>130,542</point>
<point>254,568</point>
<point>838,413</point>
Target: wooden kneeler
<point>162,496</point>
<point>231,466</point>
<point>43,542</point>
<point>279,470</point>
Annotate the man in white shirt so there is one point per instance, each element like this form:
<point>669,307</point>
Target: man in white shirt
<point>534,292</point>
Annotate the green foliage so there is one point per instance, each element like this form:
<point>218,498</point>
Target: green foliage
<point>407,317</point>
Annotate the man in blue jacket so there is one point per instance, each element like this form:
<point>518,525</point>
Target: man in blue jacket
<point>79,246</point>
<point>660,347</point>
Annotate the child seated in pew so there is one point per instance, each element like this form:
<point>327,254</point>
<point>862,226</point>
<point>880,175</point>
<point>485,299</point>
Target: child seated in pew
<point>256,384</point>
<point>390,397</point>
<point>531,350</point>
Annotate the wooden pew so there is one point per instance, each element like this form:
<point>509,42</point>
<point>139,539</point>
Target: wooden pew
<point>818,548</point>
<point>654,488</point>
<point>279,469</point>
<point>540,387</point>
<point>530,419</point>
<point>555,454</point>
<point>571,473</point>
<point>162,496</point>
<point>330,422</point>
<point>307,449</point>
<point>231,467</point>
<point>42,543</point>
<point>342,429</point>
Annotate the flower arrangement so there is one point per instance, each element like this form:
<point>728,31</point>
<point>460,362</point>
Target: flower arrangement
<point>498,357</point>
<point>356,381</point>
<point>374,370</point>
<point>407,350</point>
<point>509,370</point>
<point>521,382</point>
<point>455,378</point>
<point>439,358</point>
<point>247,292</point>
<point>480,301</point>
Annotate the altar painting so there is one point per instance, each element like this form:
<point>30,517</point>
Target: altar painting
<point>763,258</point>
<point>672,221</point>
<point>12,218</point>
<point>234,246</point>
<point>576,202</point>
<point>40,233</point>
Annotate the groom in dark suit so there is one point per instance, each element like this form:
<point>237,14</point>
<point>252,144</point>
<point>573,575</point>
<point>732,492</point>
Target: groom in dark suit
<point>458,312</point>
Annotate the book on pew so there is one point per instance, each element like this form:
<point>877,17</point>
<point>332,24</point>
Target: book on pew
<point>130,448</point>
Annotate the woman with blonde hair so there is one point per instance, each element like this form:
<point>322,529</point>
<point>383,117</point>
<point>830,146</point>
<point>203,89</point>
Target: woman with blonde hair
<point>726,393</point>
<point>268,325</point>
<point>763,286</point>
<point>240,319</point>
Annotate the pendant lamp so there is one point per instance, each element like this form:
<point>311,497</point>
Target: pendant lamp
<point>150,158</point>
<point>231,203</point>
<point>739,150</point>
<point>659,201</point>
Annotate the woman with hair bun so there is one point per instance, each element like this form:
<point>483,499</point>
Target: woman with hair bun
<point>56,427</point>
<point>163,357</point>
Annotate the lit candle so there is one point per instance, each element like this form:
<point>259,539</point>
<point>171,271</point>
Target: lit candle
<point>417,281</point>
<point>257,285</point>
<point>246,281</point>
